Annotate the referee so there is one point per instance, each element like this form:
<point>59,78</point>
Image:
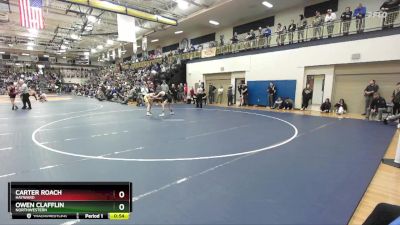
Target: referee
<point>25,94</point>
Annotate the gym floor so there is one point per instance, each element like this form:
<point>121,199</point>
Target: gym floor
<point>211,165</point>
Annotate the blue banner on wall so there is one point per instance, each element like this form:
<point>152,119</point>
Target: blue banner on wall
<point>258,90</point>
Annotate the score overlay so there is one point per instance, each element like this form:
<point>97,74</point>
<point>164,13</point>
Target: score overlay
<point>70,200</point>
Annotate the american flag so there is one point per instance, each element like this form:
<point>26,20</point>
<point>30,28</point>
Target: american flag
<point>31,14</point>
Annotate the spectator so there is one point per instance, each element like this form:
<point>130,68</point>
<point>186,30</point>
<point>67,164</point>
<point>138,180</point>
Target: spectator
<point>279,34</point>
<point>396,99</point>
<point>391,7</point>
<point>307,95</point>
<point>267,36</point>
<point>330,22</point>
<point>271,91</point>
<point>230,95</point>
<point>245,94</point>
<point>317,26</point>
<point>302,25</point>
<point>341,107</point>
<point>291,30</point>
<point>326,106</point>
<point>260,39</point>
<point>163,87</point>
<point>378,106</point>
<point>221,40</point>
<point>211,94</point>
<point>369,92</point>
<point>277,103</point>
<point>346,21</point>
<point>287,104</point>
<point>359,14</point>
<point>234,42</point>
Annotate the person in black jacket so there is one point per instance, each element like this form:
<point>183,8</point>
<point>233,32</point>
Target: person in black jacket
<point>346,21</point>
<point>326,106</point>
<point>271,94</point>
<point>291,30</point>
<point>307,95</point>
<point>378,106</point>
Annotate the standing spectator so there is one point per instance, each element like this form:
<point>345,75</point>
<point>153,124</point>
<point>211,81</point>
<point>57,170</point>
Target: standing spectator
<point>271,90</point>
<point>359,14</point>
<point>330,22</point>
<point>267,36</point>
<point>260,39</point>
<point>346,21</point>
<point>317,26</point>
<point>230,95</point>
<point>378,106</point>
<point>326,106</point>
<point>211,94</point>
<point>301,26</point>
<point>369,92</point>
<point>245,94</point>
<point>391,7</point>
<point>279,34</point>
<point>174,93</point>
<point>291,30</point>
<point>221,40</point>
<point>396,99</point>
<point>164,87</point>
<point>234,41</point>
<point>307,95</point>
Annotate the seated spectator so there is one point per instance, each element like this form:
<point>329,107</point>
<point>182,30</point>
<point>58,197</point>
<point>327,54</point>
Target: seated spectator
<point>287,104</point>
<point>326,106</point>
<point>341,107</point>
<point>377,107</point>
<point>278,103</point>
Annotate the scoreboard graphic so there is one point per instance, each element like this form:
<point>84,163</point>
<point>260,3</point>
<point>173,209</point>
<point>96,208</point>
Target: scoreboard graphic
<point>70,200</point>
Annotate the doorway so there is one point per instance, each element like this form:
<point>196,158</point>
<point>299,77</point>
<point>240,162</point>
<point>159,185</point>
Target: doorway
<point>317,84</point>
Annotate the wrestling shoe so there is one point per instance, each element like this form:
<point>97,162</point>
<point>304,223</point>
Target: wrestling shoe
<point>162,114</point>
<point>171,113</point>
<point>149,114</point>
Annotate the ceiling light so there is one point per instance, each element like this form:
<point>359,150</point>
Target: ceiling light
<point>86,53</point>
<point>30,48</point>
<point>267,4</point>
<point>178,32</point>
<point>182,4</point>
<point>25,54</point>
<point>155,40</point>
<point>74,36</point>
<point>92,19</point>
<point>213,22</point>
<point>46,56</point>
<point>93,50</point>
<point>110,42</point>
<point>100,47</point>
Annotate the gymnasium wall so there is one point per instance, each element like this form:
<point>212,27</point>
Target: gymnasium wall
<point>291,64</point>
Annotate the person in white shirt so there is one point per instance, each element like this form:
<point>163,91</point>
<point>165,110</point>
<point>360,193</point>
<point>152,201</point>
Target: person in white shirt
<point>330,22</point>
<point>25,94</point>
<point>220,93</point>
<point>199,97</point>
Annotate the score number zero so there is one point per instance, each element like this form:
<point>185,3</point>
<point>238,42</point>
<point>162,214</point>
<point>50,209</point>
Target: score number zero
<point>121,195</point>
